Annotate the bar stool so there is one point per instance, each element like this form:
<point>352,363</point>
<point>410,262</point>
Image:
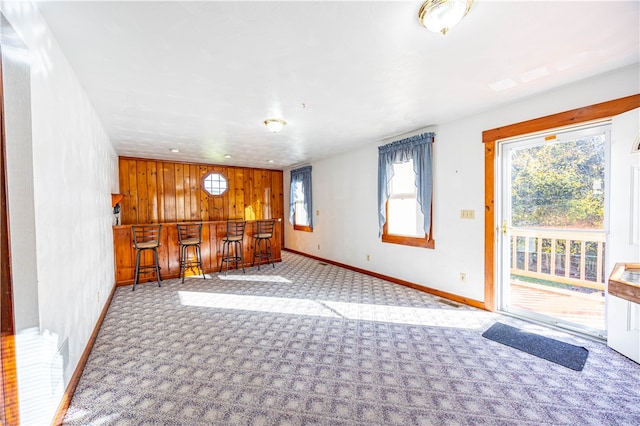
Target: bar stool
<point>146,237</point>
<point>235,235</point>
<point>264,232</point>
<point>190,235</point>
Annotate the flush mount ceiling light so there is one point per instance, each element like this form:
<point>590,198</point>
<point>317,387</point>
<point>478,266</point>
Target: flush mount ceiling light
<point>274,124</point>
<point>440,16</point>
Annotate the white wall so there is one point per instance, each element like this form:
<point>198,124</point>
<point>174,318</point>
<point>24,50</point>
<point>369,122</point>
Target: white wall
<point>74,173</point>
<point>344,191</point>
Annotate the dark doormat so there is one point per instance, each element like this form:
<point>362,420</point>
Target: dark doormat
<point>562,353</point>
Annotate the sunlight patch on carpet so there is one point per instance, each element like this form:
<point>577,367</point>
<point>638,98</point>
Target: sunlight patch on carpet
<point>466,319</point>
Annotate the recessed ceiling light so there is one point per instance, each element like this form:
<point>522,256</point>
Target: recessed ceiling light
<point>270,161</point>
<point>227,156</point>
<point>505,84</point>
<point>174,150</point>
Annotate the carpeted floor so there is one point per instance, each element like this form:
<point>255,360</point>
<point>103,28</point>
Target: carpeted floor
<point>313,344</point>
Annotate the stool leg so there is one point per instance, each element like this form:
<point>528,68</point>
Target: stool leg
<point>271,253</point>
<point>241,256</point>
<point>135,277</point>
<point>183,257</point>
<point>257,252</point>
<point>222,257</point>
<point>199,255</point>
<point>155,254</point>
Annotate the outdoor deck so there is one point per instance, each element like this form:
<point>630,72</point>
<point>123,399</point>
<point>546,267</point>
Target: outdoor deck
<point>585,309</point>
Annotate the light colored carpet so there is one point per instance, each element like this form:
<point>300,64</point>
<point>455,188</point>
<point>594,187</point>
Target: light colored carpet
<point>313,344</point>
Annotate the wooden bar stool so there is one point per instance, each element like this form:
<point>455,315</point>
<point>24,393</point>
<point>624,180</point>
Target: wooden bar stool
<point>234,237</point>
<point>190,235</point>
<point>146,237</point>
<point>262,237</point>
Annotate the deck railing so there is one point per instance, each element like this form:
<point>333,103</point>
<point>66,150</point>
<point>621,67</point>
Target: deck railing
<point>566,256</point>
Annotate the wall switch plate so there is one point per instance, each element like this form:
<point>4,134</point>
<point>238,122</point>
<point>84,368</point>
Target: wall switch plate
<point>467,214</point>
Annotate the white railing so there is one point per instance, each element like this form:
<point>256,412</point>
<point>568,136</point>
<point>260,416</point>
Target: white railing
<point>567,256</point>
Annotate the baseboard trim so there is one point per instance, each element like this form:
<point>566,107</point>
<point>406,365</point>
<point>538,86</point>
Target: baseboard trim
<point>75,379</point>
<point>453,297</point>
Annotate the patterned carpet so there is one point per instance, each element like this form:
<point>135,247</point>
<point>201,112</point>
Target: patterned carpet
<point>314,344</point>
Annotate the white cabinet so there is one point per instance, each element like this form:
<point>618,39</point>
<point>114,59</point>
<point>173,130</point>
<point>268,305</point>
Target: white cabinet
<point>623,327</point>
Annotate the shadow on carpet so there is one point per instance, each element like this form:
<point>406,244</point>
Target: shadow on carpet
<point>565,354</point>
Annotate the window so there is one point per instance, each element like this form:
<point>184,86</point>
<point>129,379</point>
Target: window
<point>215,184</point>
<point>405,191</point>
<point>300,214</point>
<point>300,199</point>
<point>403,212</point>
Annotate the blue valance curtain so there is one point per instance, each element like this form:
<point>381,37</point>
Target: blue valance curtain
<point>419,149</point>
<point>300,176</point>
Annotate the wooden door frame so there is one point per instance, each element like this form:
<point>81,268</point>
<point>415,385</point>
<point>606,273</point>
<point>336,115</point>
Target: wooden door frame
<point>491,139</point>
<point>9,377</point>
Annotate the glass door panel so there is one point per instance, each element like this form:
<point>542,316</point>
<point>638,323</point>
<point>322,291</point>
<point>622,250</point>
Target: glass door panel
<point>553,240</point>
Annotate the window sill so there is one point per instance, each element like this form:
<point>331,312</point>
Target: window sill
<point>409,241</point>
<point>303,228</point>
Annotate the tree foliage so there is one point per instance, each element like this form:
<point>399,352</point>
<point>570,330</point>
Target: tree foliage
<point>559,184</point>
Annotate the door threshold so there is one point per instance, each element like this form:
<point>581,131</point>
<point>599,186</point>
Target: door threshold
<point>596,336</point>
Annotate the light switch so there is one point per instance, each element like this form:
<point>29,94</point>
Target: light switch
<point>467,214</point>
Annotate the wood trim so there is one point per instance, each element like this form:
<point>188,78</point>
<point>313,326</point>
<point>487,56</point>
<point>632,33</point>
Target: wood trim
<point>75,379</point>
<point>303,228</point>
<point>191,163</point>
<point>425,242</point>
<point>439,293</point>
<point>9,385</point>
<point>567,118</point>
<point>489,223</point>
<point>491,139</point>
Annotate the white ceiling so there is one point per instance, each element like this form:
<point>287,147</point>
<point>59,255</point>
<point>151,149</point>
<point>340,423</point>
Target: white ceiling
<point>203,76</point>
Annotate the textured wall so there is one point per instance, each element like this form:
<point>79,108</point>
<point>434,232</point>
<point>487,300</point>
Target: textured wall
<point>345,189</point>
<point>74,174</point>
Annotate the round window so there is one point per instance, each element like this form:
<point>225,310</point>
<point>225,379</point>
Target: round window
<point>215,183</point>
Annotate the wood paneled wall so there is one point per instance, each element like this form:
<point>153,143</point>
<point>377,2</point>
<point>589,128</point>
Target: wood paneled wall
<point>158,191</point>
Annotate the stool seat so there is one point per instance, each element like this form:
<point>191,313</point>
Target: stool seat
<point>190,235</point>
<point>190,241</point>
<point>148,245</point>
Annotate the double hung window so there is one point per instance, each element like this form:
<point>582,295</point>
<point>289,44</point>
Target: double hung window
<point>405,183</point>
<point>300,199</point>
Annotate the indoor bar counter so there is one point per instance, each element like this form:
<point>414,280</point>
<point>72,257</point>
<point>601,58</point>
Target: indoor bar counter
<point>169,193</point>
<point>169,250</point>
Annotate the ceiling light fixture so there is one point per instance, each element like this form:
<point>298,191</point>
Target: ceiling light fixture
<point>440,16</point>
<point>174,150</point>
<point>227,156</point>
<point>274,124</point>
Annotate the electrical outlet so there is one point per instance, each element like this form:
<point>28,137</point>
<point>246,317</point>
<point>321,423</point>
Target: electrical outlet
<point>317,212</point>
<point>467,214</point>
<point>318,246</point>
<point>463,277</point>
<point>368,258</point>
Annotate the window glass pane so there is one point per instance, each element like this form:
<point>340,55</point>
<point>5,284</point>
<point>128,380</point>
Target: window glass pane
<point>403,213</point>
<point>300,213</point>
<point>560,185</point>
<point>404,179</point>
<point>215,183</point>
